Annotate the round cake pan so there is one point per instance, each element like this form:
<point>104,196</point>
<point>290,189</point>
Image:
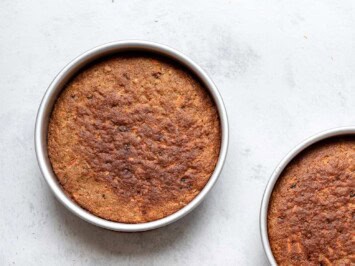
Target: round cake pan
<point>59,83</point>
<point>341,131</point>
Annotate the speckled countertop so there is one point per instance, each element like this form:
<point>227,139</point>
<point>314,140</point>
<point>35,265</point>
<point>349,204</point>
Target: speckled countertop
<point>286,70</point>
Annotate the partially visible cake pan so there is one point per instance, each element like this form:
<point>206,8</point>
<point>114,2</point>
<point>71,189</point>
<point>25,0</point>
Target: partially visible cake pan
<point>278,171</point>
<point>59,83</point>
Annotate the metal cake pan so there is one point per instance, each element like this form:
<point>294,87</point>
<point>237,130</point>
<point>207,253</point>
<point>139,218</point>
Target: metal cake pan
<point>341,131</point>
<point>59,83</point>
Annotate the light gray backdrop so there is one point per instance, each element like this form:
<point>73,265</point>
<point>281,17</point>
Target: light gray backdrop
<point>286,70</point>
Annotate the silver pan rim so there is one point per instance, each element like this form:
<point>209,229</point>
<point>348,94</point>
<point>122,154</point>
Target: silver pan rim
<point>339,131</point>
<point>56,87</point>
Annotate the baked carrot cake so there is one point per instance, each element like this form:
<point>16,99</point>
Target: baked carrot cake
<point>134,138</point>
<point>311,213</point>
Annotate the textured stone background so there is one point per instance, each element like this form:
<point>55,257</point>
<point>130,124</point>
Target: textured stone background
<point>286,70</point>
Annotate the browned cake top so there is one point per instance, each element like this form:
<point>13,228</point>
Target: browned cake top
<point>311,213</point>
<point>134,138</point>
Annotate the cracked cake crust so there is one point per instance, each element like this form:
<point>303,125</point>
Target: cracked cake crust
<point>311,212</point>
<point>134,138</point>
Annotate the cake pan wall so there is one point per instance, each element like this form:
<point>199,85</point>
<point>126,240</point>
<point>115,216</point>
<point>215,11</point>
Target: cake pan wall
<point>59,83</point>
<point>341,131</point>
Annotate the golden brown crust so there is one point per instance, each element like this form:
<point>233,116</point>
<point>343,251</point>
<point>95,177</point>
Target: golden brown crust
<point>134,138</point>
<point>311,212</point>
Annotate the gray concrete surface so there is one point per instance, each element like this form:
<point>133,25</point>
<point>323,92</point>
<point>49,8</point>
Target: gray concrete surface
<point>286,70</point>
